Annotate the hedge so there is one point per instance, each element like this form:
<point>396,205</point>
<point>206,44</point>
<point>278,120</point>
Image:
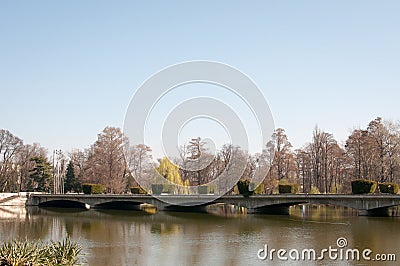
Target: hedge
<point>388,187</point>
<point>363,186</point>
<point>93,188</point>
<point>138,190</point>
<point>243,187</point>
<point>292,188</point>
<point>168,188</point>
<point>258,190</point>
<point>157,189</point>
<point>204,189</point>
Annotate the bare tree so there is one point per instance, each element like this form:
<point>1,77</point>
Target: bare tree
<point>393,151</point>
<point>379,135</point>
<point>304,168</point>
<point>25,164</point>
<point>197,163</point>
<point>283,155</point>
<point>10,145</point>
<point>139,161</point>
<point>106,160</point>
<point>79,158</point>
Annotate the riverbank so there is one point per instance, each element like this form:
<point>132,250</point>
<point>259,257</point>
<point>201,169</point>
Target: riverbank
<point>13,199</point>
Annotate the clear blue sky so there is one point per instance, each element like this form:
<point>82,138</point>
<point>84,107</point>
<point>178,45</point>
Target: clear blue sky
<point>69,68</point>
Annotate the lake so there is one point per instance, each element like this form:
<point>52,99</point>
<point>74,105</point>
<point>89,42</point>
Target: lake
<point>224,236</point>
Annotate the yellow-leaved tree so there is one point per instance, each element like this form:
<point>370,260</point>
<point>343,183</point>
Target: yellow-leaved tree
<point>170,171</point>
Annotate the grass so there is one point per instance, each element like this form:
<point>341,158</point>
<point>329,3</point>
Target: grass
<point>34,253</point>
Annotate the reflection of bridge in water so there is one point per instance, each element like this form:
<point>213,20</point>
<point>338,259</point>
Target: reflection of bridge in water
<point>278,204</point>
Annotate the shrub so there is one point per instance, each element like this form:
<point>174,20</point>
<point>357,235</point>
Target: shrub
<point>363,186</point>
<point>138,190</point>
<point>203,189</point>
<point>289,188</point>
<point>336,188</point>
<point>314,190</point>
<point>285,188</point>
<point>157,189</point>
<point>258,190</point>
<point>391,188</point>
<point>39,253</point>
<point>93,188</point>
<point>206,189</point>
<point>243,187</point>
<point>168,188</point>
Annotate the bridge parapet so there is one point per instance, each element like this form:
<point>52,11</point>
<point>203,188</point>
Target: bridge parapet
<point>256,203</point>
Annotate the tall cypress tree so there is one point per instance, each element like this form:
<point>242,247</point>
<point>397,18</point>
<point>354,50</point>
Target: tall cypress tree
<point>71,183</point>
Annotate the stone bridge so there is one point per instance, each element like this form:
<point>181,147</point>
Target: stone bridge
<point>365,204</point>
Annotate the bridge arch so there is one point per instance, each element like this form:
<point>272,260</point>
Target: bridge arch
<point>64,204</point>
<point>277,208</point>
<point>119,205</point>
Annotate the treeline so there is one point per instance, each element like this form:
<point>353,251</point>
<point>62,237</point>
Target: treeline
<point>322,165</point>
<point>19,162</point>
<point>325,166</point>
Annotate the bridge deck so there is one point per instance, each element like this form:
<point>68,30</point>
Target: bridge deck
<point>253,203</point>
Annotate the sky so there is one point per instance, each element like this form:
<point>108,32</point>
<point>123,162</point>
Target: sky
<point>69,68</point>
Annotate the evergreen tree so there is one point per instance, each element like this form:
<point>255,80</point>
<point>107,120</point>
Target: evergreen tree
<point>71,182</point>
<point>40,175</point>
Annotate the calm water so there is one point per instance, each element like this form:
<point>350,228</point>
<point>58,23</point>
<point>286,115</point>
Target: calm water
<point>137,238</point>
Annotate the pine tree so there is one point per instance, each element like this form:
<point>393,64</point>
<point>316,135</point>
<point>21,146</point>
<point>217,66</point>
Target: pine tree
<point>40,175</point>
<point>71,183</point>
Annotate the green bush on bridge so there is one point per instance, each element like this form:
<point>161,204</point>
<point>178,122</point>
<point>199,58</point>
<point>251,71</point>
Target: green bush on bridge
<point>207,189</point>
<point>292,188</point>
<point>362,186</point>
<point>258,190</point>
<point>169,189</point>
<point>138,190</point>
<point>93,188</point>
<point>157,189</point>
<point>388,187</point>
<point>246,188</point>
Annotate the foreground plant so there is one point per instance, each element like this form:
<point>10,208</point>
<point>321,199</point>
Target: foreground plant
<point>27,252</point>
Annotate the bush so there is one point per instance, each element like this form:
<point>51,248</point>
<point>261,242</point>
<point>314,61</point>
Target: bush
<point>284,188</point>
<point>363,186</point>
<point>314,190</point>
<point>39,253</point>
<point>391,188</point>
<point>243,187</point>
<point>204,189</point>
<point>138,190</point>
<point>168,188</point>
<point>289,188</point>
<point>258,190</point>
<point>93,188</point>
<point>157,189</point>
